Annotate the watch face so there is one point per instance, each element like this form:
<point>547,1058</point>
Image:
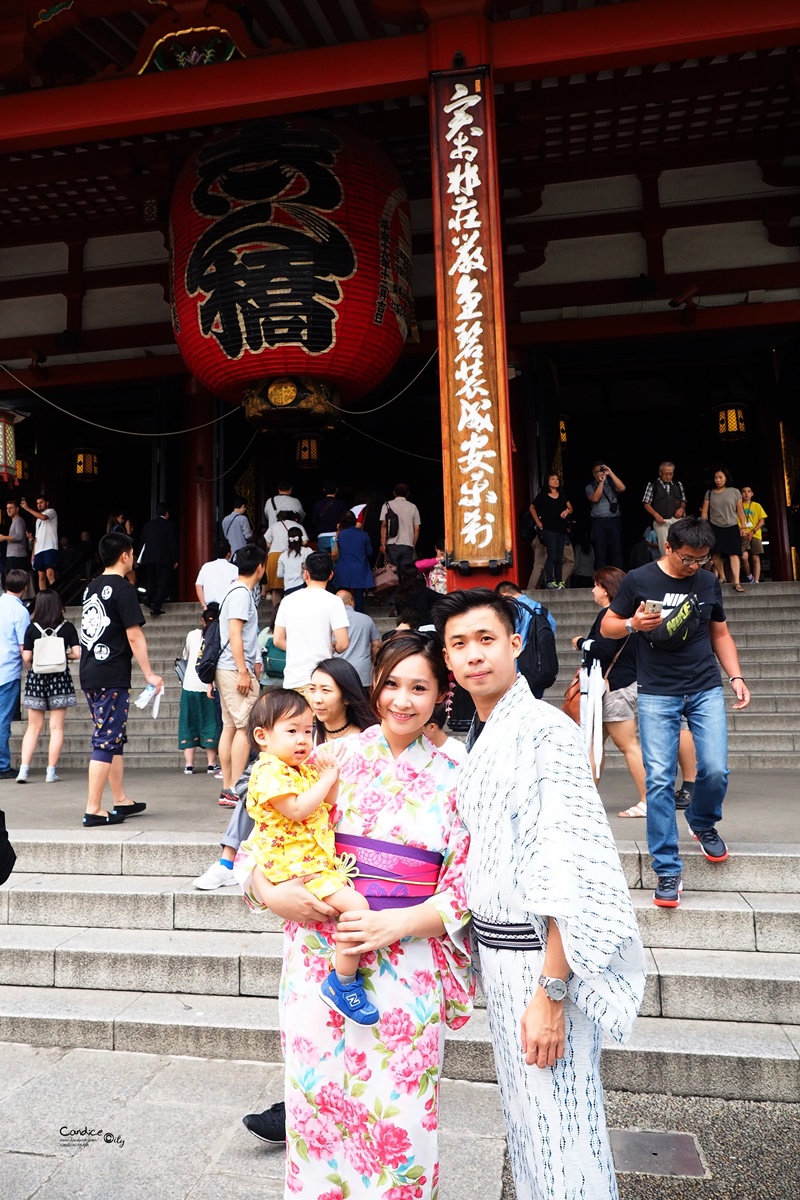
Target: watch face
<point>556,989</point>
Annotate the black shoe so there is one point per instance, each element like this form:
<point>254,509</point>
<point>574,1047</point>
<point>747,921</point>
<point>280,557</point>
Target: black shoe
<point>130,810</point>
<point>668,891</point>
<point>711,844</point>
<point>269,1125</point>
<point>156,612</point>
<point>682,799</point>
<point>9,773</point>
<point>93,820</point>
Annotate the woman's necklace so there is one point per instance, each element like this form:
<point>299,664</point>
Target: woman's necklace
<point>341,728</point>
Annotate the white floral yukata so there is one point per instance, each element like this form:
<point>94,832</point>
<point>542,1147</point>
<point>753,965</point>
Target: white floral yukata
<point>362,1103</point>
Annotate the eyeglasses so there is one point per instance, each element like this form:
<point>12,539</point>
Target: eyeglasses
<point>688,561</point>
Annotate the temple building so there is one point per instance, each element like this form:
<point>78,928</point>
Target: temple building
<point>456,242</point>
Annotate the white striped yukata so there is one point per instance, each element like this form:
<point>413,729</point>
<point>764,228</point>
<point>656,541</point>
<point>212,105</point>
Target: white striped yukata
<point>541,846</point>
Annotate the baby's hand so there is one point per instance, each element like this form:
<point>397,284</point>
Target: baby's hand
<point>325,760</point>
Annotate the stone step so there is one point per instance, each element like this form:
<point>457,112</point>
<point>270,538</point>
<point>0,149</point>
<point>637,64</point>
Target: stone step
<point>735,985</point>
<point>124,850</point>
<point>754,722</point>
<point>705,920</point>
<point>734,1060</point>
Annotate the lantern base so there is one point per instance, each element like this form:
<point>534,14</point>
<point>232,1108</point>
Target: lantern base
<point>272,401</point>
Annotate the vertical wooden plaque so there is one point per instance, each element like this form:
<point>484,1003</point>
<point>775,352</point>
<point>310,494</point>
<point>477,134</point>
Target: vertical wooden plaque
<point>469,288</point>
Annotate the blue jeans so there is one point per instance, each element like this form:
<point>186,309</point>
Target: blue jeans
<point>9,695</point>
<point>659,732</point>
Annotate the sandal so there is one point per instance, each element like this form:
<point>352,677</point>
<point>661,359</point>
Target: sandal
<point>737,587</point>
<point>636,810</point>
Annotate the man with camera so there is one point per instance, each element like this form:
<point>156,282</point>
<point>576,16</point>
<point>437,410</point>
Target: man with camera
<point>606,521</point>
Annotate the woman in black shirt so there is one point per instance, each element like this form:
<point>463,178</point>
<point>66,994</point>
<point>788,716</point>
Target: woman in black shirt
<point>53,693</point>
<point>619,701</point>
<point>550,511</point>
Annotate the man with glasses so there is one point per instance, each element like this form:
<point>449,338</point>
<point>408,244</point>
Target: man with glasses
<point>679,651</point>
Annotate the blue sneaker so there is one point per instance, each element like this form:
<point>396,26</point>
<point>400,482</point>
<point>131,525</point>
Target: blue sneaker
<point>349,999</point>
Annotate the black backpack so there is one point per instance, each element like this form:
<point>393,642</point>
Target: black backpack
<point>392,522</point>
<point>538,661</point>
<point>211,648</point>
<point>7,855</point>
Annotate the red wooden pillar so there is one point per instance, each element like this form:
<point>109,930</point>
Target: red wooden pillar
<point>197,467</point>
<point>476,437</point>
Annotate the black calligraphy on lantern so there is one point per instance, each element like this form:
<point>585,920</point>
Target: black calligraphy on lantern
<point>271,262</point>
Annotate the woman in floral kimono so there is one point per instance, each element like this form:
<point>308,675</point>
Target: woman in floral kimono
<point>362,1103</point>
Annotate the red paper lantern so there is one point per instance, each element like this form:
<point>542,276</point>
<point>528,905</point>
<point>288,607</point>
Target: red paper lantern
<point>291,256</point>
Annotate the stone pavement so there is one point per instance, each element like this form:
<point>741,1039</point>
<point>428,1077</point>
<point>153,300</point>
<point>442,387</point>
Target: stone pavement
<point>761,806</point>
<point>164,1128</point>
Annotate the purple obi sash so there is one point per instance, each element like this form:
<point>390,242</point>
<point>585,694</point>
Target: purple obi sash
<point>389,874</point>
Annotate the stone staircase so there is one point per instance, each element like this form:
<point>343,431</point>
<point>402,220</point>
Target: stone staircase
<point>765,623</point>
<point>104,943</point>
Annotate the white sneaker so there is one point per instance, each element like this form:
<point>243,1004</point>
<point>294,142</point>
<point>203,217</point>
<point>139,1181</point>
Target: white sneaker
<point>50,776</point>
<point>22,777</point>
<point>215,877</point>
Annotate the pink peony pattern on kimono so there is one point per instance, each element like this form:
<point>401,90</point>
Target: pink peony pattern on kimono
<point>396,1029</point>
<point>392,1143</point>
<point>355,1063</point>
<point>365,1113</point>
<point>422,983</point>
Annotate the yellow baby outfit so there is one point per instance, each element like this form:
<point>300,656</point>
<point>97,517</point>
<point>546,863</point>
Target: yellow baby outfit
<point>285,849</point>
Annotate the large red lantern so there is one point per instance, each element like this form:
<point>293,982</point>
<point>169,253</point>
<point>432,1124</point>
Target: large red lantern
<point>291,261</point>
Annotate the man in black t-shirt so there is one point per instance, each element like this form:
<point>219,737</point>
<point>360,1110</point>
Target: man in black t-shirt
<point>679,676</point>
<point>111,634</point>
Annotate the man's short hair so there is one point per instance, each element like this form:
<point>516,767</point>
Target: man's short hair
<point>691,533</point>
<point>249,558</point>
<point>456,604</point>
<point>598,463</point>
<point>342,592</point>
<point>112,546</point>
<point>239,502</point>
<point>400,489</point>
<point>319,567</point>
<point>330,487</point>
<point>17,580</point>
<point>220,548</point>
<point>507,587</point>
<point>45,498</point>
<point>162,510</point>
<point>284,485</point>
<point>14,502</point>
<point>666,464</point>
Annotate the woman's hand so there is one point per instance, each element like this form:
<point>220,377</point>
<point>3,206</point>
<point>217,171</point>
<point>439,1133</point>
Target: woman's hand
<point>575,641</point>
<point>359,932</point>
<point>542,1030</point>
<point>292,900</point>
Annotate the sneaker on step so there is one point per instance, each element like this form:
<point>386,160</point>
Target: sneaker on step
<point>228,798</point>
<point>668,891</point>
<point>218,773</point>
<point>711,844</point>
<point>269,1125</point>
<point>349,999</point>
<point>22,775</point>
<point>188,770</point>
<point>212,769</point>
<point>682,799</point>
<point>50,776</point>
<point>215,877</point>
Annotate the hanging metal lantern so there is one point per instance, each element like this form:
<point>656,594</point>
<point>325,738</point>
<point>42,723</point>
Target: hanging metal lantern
<point>86,464</point>
<point>291,262</point>
<point>731,423</point>
<point>306,453</point>
<point>9,417</point>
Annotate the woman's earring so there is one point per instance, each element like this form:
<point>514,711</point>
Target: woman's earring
<point>451,691</point>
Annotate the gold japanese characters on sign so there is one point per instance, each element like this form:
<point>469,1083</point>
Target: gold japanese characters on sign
<point>471,326</point>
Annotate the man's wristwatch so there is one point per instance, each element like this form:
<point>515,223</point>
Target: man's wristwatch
<point>554,989</point>
<point>629,625</point>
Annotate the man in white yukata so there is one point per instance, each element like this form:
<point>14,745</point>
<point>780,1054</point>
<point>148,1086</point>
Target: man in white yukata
<point>560,953</point>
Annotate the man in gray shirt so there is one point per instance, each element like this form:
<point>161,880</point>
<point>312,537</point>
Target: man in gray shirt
<point>16,540</point>
<point>236,527</point>
<point>365,638</point>
<point>238,668</point>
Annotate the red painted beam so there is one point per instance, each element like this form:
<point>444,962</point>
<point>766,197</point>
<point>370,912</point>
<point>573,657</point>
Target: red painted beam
<point>645,31</point>
<point>594,329</point>
<point>129,370</point>
<point>258,87</point>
